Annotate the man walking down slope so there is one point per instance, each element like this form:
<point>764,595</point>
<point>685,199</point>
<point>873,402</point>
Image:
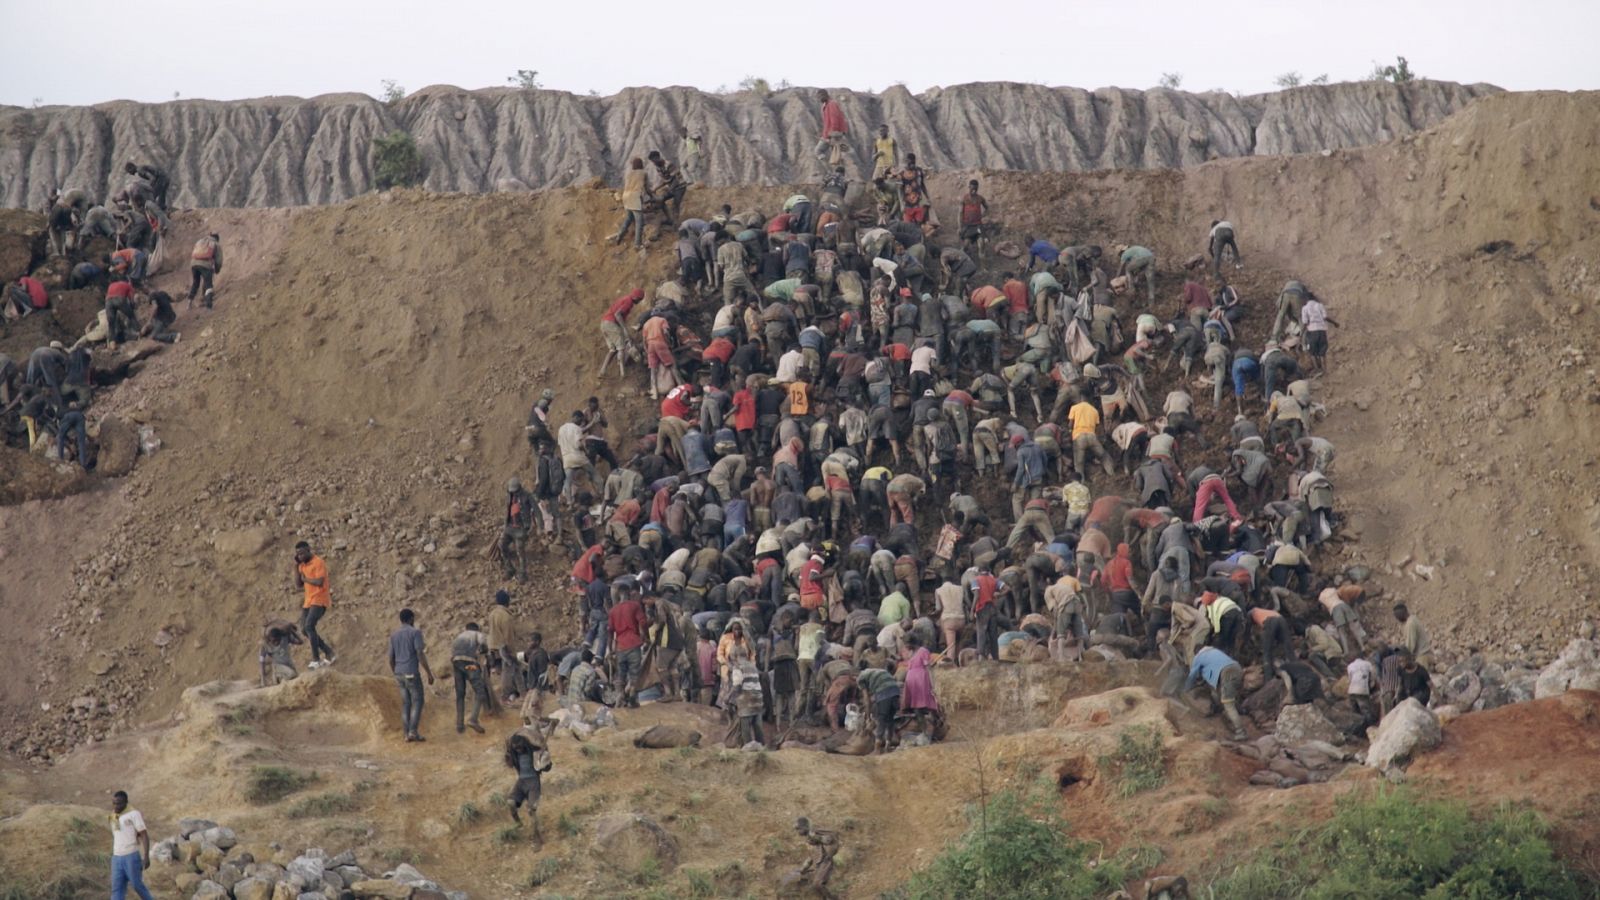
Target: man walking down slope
<point>311,573</point>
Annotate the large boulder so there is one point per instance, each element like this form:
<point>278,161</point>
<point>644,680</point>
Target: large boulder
<point>119,447</point>
<point>628,841</point>
<point>1408,729</point>
<point>1577,668</point>
<point>1304,722</point>
<point>222,837</point>
<point>307,870</point>
<point>210,890</point>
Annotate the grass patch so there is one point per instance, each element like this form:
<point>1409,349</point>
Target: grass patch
<point>394,856</point>
<point>544,871</point>
<point>468,814</point>
<point>1140,761</point>
<point>1396,842</point>
<point>1019,847</point>
<point>269,784</point>
<point>686,752</point>
<point>750,796</point>
<point>508,835</point>
<point>701,884</point>
<point>239,719</point>
<point>589,751</point>
<point>322,806</point>
<point>568,826</point>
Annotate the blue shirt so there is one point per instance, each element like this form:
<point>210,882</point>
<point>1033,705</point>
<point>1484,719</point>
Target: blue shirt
<point>1245,371</point>
<point>1043,250</point>
<point>1208,664</point>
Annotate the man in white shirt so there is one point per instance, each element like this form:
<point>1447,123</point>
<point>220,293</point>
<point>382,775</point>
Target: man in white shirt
<point>1362,675</point>
<point>130,849</point>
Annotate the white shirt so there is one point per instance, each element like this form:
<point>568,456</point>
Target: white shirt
<point>1361,674</point>
<point>923,358</point>
<point>1219,226</point>
<point>789,367</point>
<point>125,831</point>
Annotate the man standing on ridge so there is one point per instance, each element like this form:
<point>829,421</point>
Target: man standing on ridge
<point>311,573</point>
<point>1221,237</point>
<point>830,149</point>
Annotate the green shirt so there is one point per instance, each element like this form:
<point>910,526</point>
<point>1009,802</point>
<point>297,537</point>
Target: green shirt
<point>1134,257</point>
<point>871,681</point>
<point>782,289</point>
<point>894,608</point>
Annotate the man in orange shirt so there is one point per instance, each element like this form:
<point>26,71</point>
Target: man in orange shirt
<point>311,573</point>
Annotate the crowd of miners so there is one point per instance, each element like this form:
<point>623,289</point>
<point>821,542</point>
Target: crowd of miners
<point>116,246</point>
<point>819,518</point>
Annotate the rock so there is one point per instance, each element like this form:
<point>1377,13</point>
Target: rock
<point>1304,722</point>
<point>627,841</point>
<point>252,889</point>
<point>164,851</point>
<point>210,890</point>
<point>282,891</point>
<point>661,737</point>
<point>210,858</point>
<point>119,447</point>
<point>351,874</point>
<point>312,895</point>
<point>406,873</point>
<point>222,837</point>
<point>187,882</point>
<point>1577,668</point>
<point>385,888</point>
<point>266,871</point>
<point>332,881</point>
<point>307,869</point>
<point>187,827</point>
<point>1407,730</point>
<point>244,542</point>
<point>189,851</point>
<point>347,858</point>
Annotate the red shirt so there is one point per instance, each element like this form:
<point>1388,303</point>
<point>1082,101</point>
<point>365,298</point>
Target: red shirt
<point>833,119</point>
<point>1146,518</point>
<point>811,585</point>
<point>117,289</point>
<point>985,585</point>
<point>982,297</point>
<point>676,402</point>
<point>1017,293</point>
<point>37,294</point>
<point>897,352</point>
<point>744,410</point>
<point>719,350</point>
<point>620,307</point>
<point>628,623</point>
<point>960,398</point>
<point>1195,296</point>
<point>1102,509</point>
<point>1119,574</point>
<point>777,223</point>
<point>583,569</point>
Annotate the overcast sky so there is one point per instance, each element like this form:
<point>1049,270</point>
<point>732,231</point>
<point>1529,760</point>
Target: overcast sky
<point>90,51</point>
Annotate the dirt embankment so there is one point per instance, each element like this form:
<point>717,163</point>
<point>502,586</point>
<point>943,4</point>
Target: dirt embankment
<point>363,381</point>
<point>288,151</point>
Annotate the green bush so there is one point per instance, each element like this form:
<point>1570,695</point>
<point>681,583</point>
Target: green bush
<point>1019,849</point>
<point>396,161</point>
<point>1140,760</point>
<point>269,784</point>
<point>322,806</point>
<point>1398,844</point>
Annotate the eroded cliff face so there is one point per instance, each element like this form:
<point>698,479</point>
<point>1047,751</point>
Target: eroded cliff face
<point>288,151</point>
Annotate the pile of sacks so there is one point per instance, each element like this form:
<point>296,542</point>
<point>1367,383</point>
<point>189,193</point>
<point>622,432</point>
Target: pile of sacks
<point>206,862</point>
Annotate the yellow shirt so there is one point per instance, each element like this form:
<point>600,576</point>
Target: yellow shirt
<point>883,154</point>
<point>1084,417</point>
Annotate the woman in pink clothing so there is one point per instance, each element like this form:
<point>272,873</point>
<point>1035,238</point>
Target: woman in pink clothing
<point>918,695</point>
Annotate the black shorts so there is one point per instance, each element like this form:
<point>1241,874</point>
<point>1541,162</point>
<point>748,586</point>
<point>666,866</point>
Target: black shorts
<point>971,232</point>
<point>1317,343</point>
<point>527,789</point>
<point>694,269</point>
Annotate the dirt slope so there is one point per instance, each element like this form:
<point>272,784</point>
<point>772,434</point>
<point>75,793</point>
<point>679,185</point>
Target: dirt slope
<point>363,382</point>
<point>288,151</point>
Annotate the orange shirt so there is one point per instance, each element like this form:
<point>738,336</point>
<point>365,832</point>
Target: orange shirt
<point>316,568</point>
<point>799,398</point>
